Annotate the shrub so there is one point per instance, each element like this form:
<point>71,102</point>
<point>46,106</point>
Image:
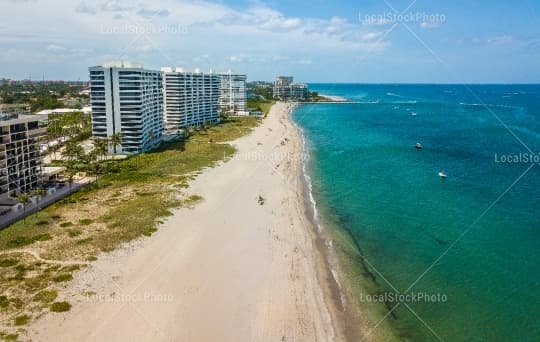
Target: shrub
<point>10,337</point>
<point>60,307</point>
<point>86,222</point>
<point>4,302</point>
<point>83,241</point>
<point>63,277</point>
<point>66,224</point>
<point>41,237</point>
<point>8,262</point>
<point>19,241</point>
<point>149,231</point>
<point>22,319</point>
<point>74,233</point>
<point>46,296</point>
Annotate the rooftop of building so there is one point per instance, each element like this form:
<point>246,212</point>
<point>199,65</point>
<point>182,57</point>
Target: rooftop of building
<point>16,118</point>
<point>121,64</point>
<point>86,109</point>
<point>186,71</point>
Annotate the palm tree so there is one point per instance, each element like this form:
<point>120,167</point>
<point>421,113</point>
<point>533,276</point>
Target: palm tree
<point>100,147</point>
<point>71,177</point>
<point>92,158</point>
<point>224,113</point>
<point>151,135</point>
<point>24,199</point>
<point>53,149</point>
<point>188,131</point>
<point>73,151</point>
<point>115,140</point>
<point>39,192</point>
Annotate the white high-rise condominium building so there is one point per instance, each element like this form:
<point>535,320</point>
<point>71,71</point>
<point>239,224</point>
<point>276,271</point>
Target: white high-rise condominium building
<point>127,99</point>
<point>190,98</point>
<point>233,93</point>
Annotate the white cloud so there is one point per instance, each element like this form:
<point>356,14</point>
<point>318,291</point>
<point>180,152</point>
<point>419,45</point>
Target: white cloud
<point>55,48</point>
<point>426,25</point>
<point>376,21</point>
<point>370,36</point>
<point>175,31</point>
<point>505,39</point>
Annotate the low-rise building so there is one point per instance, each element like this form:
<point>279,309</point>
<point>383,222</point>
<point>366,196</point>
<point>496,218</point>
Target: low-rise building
<point>20,159</point>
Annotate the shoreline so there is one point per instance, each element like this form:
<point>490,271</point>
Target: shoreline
<point>334,243</point>
<point>333,98</point>
<point>253,271</point>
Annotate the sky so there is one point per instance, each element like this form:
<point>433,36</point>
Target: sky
<point>367,41</point>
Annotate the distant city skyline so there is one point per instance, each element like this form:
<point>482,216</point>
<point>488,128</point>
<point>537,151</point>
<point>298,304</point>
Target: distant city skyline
<point>376,41</point>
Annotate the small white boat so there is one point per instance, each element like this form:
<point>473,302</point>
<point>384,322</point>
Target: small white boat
<point>418,146</point>
<point>442,174</point>
<point>413,114</point>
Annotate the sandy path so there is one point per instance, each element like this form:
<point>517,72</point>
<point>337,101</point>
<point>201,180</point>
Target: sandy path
<point>228,270</point>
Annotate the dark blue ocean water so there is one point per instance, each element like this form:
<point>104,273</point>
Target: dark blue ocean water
<point>475,236</point>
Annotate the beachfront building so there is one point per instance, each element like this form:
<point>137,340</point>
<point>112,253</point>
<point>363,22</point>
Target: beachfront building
<point>127,99</point>
<point>20,160</point>
<point>232,99</point>
<point>189,98</point>
<point>282,86</point>
<point>299,91</point>
<point>286,89</point>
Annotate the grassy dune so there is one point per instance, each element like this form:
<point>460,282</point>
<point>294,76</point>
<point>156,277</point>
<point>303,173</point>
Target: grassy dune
<point>38,256</point>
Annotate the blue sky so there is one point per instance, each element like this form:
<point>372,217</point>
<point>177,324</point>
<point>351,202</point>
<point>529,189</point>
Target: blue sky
<point>315,41</point>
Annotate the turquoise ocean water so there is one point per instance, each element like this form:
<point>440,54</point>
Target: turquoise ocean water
<point>475,236</point>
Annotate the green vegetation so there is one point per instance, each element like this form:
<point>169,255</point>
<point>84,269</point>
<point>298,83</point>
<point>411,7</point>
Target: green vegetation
<point>101,216</point>
<point>86,222</point>
<point>71,127</point>
<point>40,96</point>
<point>22,320</point>
<point>260,105</point>
<point>63,277</point>
<point>60,307</point>
<point>24,199</point>
<point>46,296</point>
<point>264,89</point>
<point>4,302</point>
<point>8,262</point>
<point>20,241</point>
<point>149,231</point>
<point>74,233</point>
<point>8,337</point>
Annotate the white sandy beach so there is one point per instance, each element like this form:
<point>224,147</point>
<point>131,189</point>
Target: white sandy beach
<point>229,269</point>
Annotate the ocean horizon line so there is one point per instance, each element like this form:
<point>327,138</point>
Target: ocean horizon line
<point>421,83</point>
